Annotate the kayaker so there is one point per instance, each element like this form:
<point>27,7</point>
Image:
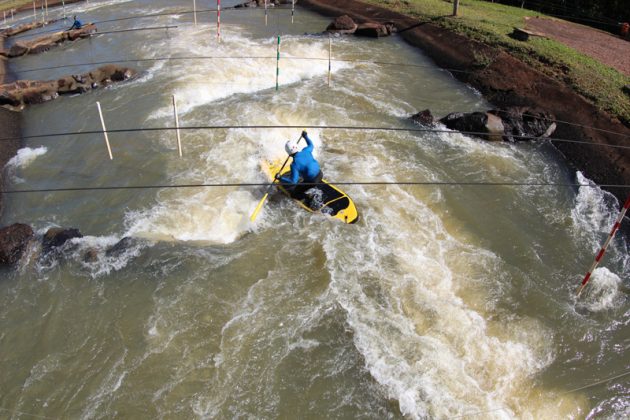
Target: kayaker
<point>76,24</point>
<point>304,167</point>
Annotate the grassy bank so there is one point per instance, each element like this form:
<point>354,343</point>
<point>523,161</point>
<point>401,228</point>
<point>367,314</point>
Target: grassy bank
<point>492,23</point>
<point>14,4</point>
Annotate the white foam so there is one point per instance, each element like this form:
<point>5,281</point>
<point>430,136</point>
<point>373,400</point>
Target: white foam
<point>26,156</point>
<point>592,212</point>
<point>603,291</point>
<point>432,352</point>
<point>214,215</point>
<point>200,82</point>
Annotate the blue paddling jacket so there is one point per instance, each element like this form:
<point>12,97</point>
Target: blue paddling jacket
<point>76,25</point>
<point>304,165</point>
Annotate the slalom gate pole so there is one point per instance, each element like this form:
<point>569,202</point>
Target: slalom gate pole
<point>179,140</point>
<point>602,251</point>
<point>278,62</point>
<point>265,12</point>
<point>195,11</point>
<point>34,11</point>
<point>219,20</point>
<point>63,4</point>
<point>292,9</point>
<point>329,59</point>
<point>100,113</point>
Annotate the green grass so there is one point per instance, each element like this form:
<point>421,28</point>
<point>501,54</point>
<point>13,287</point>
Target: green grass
<point>491,24</point>
<point>14,4</point>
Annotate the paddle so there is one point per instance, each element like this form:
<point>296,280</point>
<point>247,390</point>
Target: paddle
<point>262,201</point>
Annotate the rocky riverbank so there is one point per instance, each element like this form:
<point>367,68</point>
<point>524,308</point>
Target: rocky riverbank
<point>507,82</point>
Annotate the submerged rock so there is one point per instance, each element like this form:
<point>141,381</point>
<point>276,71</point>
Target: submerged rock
<point>13,242</point>
<point>91,255</point>
<point>120,247</point>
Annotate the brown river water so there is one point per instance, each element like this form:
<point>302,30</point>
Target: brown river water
<point>446,300</point>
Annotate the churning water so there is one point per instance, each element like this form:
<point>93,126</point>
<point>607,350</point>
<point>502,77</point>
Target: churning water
<point>443,301</point>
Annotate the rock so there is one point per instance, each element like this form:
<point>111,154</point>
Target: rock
<point>13,242</point>
<point>29,92</point>
<point>25,27</point>
<point>495,128</point>
<point>56,237</point>
<point>90,256</point>
<point>47,42</point>
<point>260,3</point>
<point>343,24</point>
<point>372,30</point>
<point>525,122</point>
<point>423,118</point>
<point>120,247</point>
<point>489,128</point>
<point>521,34</point>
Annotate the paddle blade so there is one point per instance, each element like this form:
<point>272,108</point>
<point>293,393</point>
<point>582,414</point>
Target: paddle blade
<point>258,207</point>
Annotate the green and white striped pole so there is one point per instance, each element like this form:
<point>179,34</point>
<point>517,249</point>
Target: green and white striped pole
<point>278,63</point>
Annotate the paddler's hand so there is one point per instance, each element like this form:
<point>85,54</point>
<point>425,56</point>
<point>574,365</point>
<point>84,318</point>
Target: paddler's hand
<point>304,133</point>
<point>277,177</point>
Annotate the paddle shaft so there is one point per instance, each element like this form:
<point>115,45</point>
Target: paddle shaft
<point>262,201</point>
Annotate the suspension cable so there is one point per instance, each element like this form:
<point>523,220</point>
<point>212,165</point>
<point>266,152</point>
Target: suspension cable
<point>320,127</point>
<point>351,183</point>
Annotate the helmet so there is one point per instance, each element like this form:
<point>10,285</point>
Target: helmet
<point>291,147</point>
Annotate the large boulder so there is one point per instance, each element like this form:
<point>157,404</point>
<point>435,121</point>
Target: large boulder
<point>511,124</point>
<point>522,123</point>
<point>29,92</point>
<point>47,42</point>
<point>57,237</point>
<point>13,242</point>
<point>374,30</point>
<point>342,25</point>
<point>423,118</point>
<point>25,27</point>
<point>485,125</point>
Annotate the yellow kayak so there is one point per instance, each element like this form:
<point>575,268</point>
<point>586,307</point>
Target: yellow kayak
<point>324,198</point>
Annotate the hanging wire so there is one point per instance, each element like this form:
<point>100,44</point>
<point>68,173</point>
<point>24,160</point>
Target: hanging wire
<point>320,127</point>
<point>351,183</point>
<point>341,60</point>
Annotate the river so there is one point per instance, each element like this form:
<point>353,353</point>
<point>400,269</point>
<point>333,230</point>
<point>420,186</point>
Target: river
<point>445,300</point>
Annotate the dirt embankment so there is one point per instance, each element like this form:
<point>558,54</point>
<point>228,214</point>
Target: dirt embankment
<point>9,126</point>
<point>505,81</point>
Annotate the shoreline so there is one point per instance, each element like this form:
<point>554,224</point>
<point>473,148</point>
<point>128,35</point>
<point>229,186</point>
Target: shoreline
<point>506,81</point>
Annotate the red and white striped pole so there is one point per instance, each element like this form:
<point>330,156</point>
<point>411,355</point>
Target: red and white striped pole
<point>602,251</point>
<point>219,20</point>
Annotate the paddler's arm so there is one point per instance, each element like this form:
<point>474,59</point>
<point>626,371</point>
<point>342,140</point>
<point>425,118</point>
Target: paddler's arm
<point>295,176</point>
<point>309,144</point>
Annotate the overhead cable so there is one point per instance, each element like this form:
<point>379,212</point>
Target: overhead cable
<point>364,183</point>
<point>319,127</point>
